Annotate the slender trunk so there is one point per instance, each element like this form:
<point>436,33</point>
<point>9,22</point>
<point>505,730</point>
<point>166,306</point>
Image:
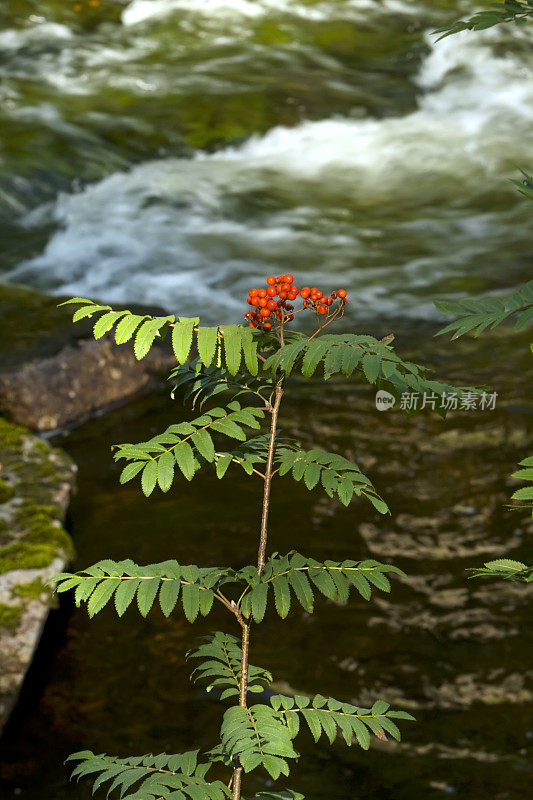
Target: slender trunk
<point>261,554</point>
<point>268,479</point>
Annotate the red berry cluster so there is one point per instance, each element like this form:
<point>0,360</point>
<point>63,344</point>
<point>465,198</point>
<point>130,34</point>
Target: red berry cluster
<point>267,308</point>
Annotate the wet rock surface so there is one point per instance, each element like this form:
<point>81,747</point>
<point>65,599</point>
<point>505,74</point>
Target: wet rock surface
<point>54,374</point>
<point>37,481</point>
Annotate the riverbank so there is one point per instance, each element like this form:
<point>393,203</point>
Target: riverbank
<point>36,483</point>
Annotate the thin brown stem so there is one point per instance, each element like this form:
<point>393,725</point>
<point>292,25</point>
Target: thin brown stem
<point>339,312</point>
<point>261,554</point>
<point>236,783</point>
<point>243,686</point>
<point>268,478</point>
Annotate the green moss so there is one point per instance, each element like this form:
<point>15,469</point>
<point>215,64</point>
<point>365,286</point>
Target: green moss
<point>9,616</point>
<point>28,509</point>
<point>23,555</point>
<point>32,326</point>
<point>30,591</point>
<point>6,492</point>
<point>37,523</point>
<point>11,437</point>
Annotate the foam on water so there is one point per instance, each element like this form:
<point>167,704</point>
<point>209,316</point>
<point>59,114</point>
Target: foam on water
<point>345,196</point>
<point>140,11</point>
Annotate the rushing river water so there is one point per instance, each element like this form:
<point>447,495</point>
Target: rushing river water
<point>189,147</point>
<point>174,151</point>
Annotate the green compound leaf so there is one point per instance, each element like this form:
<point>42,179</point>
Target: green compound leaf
<point>147,777</point>
<point>336,474</point>
<point>374,360</point>
<point>259,601</point>
<point>88,311</point>
<point>125,580</point>
<point>220,657</point>
<point>207,344</point>
<point>282,595</point>
<point>190,596</point>
<point>185,460</point>
<point>106,322</point>
<point>149,478</point>
<point>125,593</point>
<point>146,594</point>
<point>127,327</point>
<point>165,471</point>
<point>190,445</point>
<point>504,569</point>
<point>477,315</point>
<point>232,347</point>
<point>332,717</point>
<point>131,470</point>
<point>168,596</point>
<point>182,337</point>
<point>301,576</point>
<point>517,11</point>
<point>147,333</point>
<point>257,736</point>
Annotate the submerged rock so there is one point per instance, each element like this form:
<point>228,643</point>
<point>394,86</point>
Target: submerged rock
<point>35,487</point>
<point>53,373</point>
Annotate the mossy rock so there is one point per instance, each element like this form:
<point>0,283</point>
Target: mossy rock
<point>55,374</point>
<point>33,590</point>
<point>32,534</point>
<point>32,326</point>
<point>35,488</point>
<point>9,616</point>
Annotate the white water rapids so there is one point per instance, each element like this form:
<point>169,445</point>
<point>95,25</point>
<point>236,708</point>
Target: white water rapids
<point>399,209</point>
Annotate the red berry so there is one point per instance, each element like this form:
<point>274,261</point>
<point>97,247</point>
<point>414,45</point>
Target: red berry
<point>271,280</point>
<point>288,278</point>
<point>250,301</point>
<point>272,305</point>
<point>283,295</point>
<point>265,313</point>
<point>304,293</point>
<point>344,301</point>
<point>254,292</point>
<point>271,291</point>
<point>255,301</point>
<point>262,302</point>
<point>262,293</point>
<point>267,326</point>
<point>327,300</point>
<point>341,293</point>
<point>322,309</point>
